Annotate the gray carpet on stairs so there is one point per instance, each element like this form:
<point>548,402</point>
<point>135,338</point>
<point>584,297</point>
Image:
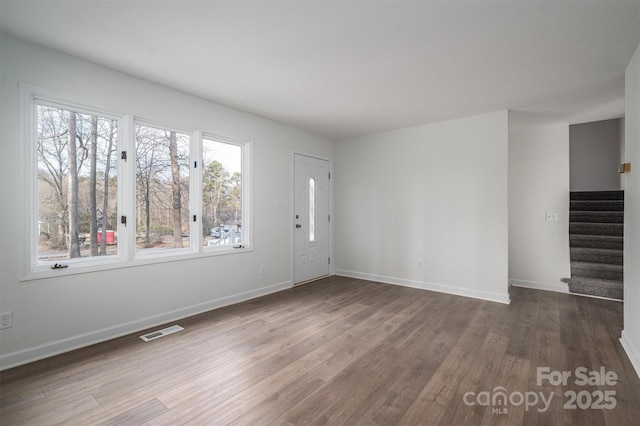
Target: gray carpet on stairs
<point>596,240</point>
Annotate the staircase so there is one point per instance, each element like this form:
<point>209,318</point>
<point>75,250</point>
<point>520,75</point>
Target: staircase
<point>596,241</point>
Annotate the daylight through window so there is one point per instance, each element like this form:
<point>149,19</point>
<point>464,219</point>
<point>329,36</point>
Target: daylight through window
<point>162,188</point>
<point>112,190</point>
<point>77,184</point>
<point>221,193</point>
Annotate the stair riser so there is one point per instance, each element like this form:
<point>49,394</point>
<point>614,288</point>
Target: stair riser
<point>595,206</point>
<point>597,195</point>
<point>597,258</point>
<point>611,217</point>
<point>595,243</point>
<point>615,230</point>
<point>596,273</point>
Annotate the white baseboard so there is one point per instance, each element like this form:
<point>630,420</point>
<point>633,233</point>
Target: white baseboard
<point>559,288</point>
<point>632,352</point>
<point>440,288</point>
<point>46,350</point>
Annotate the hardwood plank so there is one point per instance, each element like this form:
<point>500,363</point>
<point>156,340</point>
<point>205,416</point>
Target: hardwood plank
<point>137,415</point>
<point>439,392</point>
<point>605,356</point>
<point>16,400</point>
<point>50,412</point>
<point>483,372</point>
<point>423,357</point>
<point>352,385</point>
<point>526,321</point>
<point>547,354</point>
<point>513,377</point>
<point>269,409</point>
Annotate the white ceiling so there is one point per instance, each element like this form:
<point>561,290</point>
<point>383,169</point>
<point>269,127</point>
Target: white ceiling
<point>347,68</point>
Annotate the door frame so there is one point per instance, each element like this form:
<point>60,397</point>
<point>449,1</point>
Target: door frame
<point>292,213</point>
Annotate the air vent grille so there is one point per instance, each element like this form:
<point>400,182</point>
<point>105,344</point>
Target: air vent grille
<point>161,333</point>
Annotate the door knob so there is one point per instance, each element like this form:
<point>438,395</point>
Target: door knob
<point>298,225</point>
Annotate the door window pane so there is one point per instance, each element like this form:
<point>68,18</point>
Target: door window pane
<point>162,189</point>
<point>312,209</point>
<point>77,184</point>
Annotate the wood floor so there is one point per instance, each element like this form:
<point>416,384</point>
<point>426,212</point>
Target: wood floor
<point>344,351</point>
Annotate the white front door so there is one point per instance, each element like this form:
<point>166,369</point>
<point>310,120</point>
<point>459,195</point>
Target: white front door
<point>311,218</point>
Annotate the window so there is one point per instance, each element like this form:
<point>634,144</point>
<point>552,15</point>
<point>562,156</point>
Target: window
<point>77,184</point>
<point>162,188</point>
<point>221,193</point>
<point>107,190</point>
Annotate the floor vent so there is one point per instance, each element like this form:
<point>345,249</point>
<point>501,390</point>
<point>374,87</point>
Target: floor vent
<point>161,333</point>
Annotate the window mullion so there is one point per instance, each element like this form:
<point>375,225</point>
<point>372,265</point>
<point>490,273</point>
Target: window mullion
<point>127,193</point>
<point>195,191</point>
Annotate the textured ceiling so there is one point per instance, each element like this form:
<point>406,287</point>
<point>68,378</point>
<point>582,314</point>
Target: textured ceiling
<point>347,68</point>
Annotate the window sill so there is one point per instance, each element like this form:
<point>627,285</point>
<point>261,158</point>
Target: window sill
<point>45,272</point>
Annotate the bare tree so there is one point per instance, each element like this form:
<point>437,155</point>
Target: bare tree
<point>213,190</point>
<point>74,243</point>
<point>53,165</point>
<point>93,203</point>
<point>161,185</point>
<point>235,195</point>
<point>105,198</point>
<point>175,191</point>
<point>73,149</point>
<point>148,165</point>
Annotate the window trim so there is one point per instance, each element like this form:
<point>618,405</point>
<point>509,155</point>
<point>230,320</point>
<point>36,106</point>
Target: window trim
<point>193,147</point>
<point>247,186</point>
<point>127,256</point>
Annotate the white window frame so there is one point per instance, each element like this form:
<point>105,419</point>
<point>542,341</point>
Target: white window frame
<point>246,183</point>
<point>127,256</point>
<point>194,146</point>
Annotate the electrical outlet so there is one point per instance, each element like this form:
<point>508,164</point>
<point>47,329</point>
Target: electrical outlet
<point>420,264</point>
<point>263,269</point>
<point>6,320</point>
<point>551,217</point>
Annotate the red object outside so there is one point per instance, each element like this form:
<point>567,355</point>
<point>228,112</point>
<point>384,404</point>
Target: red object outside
<point>111,237</point>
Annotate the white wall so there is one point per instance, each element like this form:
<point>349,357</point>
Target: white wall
<point>631,333</point>
<point>435,193</point>
<point>595,150</point>
<point>539,183</point>
<point>53,315</point>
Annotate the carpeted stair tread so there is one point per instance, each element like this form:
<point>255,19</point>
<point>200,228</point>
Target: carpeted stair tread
<point>613,229</point>
<point>612,289</point>
<point>600,266</point>
<point>596,255</point>
<point>596,241</point>
<point>596,195</point>
<point>596,217</point>
<point>596,270</point>
<point>595,205</point>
